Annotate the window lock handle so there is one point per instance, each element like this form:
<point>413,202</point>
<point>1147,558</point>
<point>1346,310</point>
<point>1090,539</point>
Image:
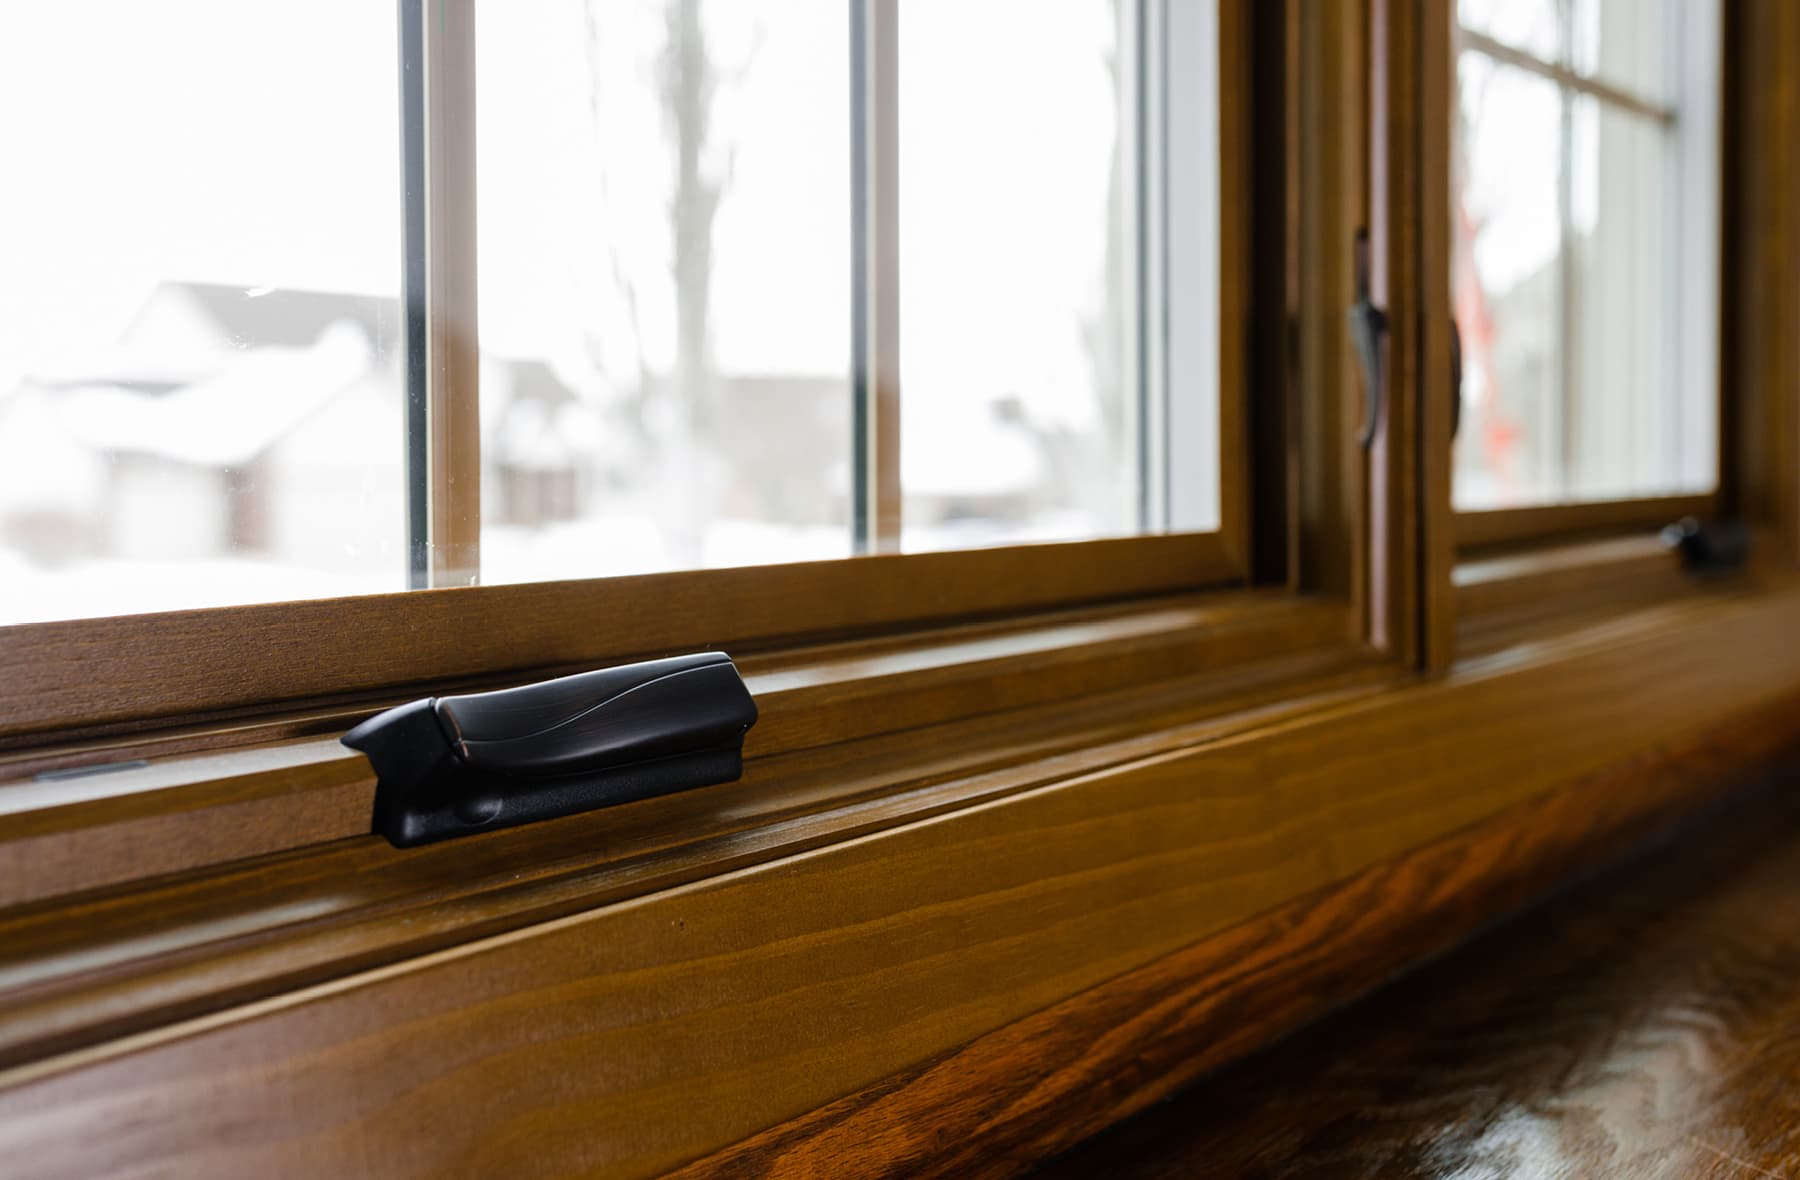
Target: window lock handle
<point>451,766</point>
<point>1368,334</point>
<point>1456,378</point>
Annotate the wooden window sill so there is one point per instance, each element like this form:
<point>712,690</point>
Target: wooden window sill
<point>800,954</point>
<point>1555,524</point>
<point>188,808</point>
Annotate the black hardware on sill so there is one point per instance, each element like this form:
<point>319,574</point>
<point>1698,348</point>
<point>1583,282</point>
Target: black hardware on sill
<point>1712,547</point>
<point>1368,330</point>
<point>450,766</point>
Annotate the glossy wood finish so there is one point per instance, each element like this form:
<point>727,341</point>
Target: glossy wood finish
<point>1761,354</point>
<point>1331,195</point>
<point>1026,1091</point>
<point>75,971</point>
<point>1510,526</point>
<point>1239,136</point>
<point>186,809</point>
<point>1620,570</point>
<point>1411,603</point>
<point>99,675</point>
<point>1641,1027</point>
<point>633,1034</point>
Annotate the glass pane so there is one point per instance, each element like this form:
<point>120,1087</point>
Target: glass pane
<point>1585,284</point>
<point>1018,347</point>
<point>1625,426</point>
<point>200,398</point>
<point>1508,285</point>
<point>1532,25</point>
<point>1628,44</point>
<point>664,221</point>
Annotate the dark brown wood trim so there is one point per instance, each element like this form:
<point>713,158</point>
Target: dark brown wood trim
<point>1021,1094</point>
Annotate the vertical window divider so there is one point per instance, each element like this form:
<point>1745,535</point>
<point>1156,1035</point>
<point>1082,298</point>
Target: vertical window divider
<point>1149,90</point>
<point>875,275</point>
<point>443,356</point>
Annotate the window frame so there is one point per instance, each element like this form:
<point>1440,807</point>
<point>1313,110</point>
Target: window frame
<point>1096,871</point>
<point>444,468</point>
<point>1479,532</point>
<point>99,690</point>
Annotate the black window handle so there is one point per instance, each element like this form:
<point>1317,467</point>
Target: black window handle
<point>1456,378</point>
<point>1368,333</point>
<point>449,766</point>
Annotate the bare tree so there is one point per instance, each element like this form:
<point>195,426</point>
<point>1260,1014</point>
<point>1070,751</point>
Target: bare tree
<point>689,82</point>
<point>684,460</point>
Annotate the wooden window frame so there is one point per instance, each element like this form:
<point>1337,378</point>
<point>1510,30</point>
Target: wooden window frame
<point>104,694</point>
<point>1158,861</point>
<point>1481,533</point>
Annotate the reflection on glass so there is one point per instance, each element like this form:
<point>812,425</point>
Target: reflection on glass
<point>1536,26</point>
<point>1623,278</point>
<point>1628,44</point>
<point>199,385</point>
<point>663,201</point>
<point>1017,337</point>
<point>1508,286</point>
<point>1583,269</point>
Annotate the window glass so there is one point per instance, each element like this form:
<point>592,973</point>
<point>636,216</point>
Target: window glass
<point>203,389</point>
<point>199,331</point>
<point>1585,263</point>
<point>1019,272</point>
<point>1630,45</point>
<point>663,205</point>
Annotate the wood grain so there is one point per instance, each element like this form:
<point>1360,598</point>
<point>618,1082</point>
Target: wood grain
<point>74,971</point>
<point>183,812</point>
<point>629,1037</point>
<point>89,675</point>
<point>1435,63</point>
<point>1023,1093</point>
<point>1400,594</point>
<point>1641,1027</point>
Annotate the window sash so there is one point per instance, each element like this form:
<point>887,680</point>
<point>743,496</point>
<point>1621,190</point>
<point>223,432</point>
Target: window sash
<point>1695,306</point>
<point>1174,155</point>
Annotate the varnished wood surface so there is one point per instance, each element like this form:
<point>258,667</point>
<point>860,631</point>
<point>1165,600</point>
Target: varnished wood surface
<point>1611,569</point>
<point>1510,526</point>
<point>73,970</point>
<point>1760,338</point>
<point>1023,1092</point>
<point>1646,1026</point>
<point>634,1034</point>
<point>179,813</point>
<point>95,674</point>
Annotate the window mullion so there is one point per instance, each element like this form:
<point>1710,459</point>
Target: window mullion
<point>875,274</point>
<point>443,435</point>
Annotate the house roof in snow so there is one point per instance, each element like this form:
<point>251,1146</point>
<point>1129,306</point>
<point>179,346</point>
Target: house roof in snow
<point>284,317</point>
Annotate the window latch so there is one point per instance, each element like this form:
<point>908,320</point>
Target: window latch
<point>1456,378</point>
<point>452,766</point>
<point>1709,547</point>
<point>1368,333</point>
